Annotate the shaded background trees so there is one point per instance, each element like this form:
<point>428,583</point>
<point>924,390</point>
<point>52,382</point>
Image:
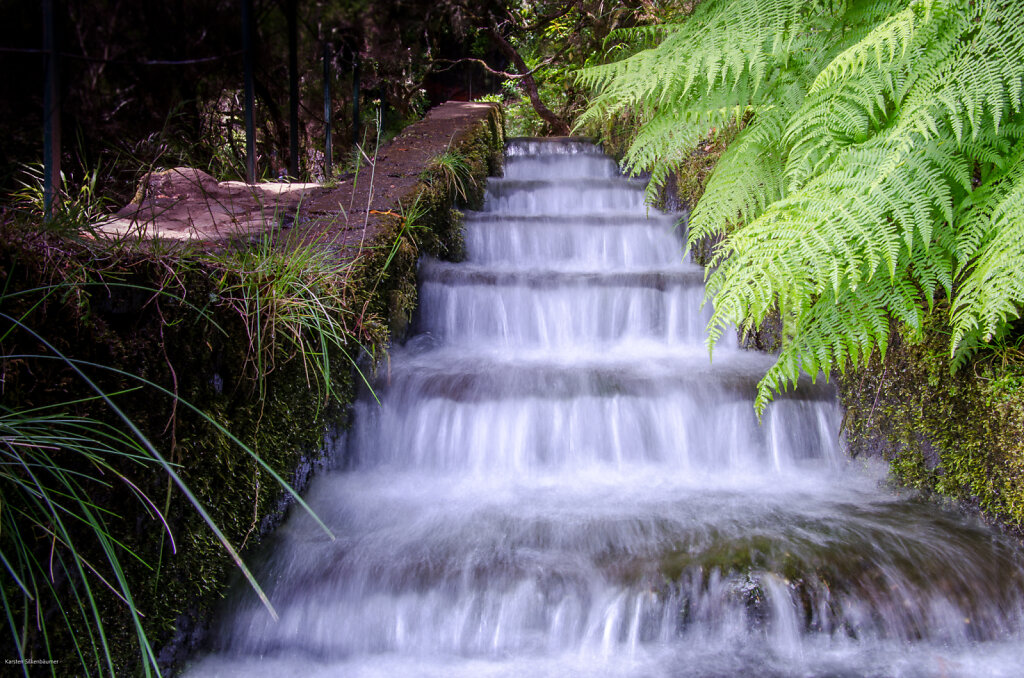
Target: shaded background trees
<point>159,84</point>
<point>149,85</point>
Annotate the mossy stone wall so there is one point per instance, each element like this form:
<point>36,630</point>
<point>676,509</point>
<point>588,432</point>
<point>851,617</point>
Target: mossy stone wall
<point>960,435</point>
<point>389,266</point>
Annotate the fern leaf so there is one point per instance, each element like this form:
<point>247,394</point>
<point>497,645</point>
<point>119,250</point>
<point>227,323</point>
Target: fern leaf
<point>992,289</point>
<point>881,167</point>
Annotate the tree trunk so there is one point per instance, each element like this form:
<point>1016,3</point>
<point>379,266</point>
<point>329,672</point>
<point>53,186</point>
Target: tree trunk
<point>558,126</point>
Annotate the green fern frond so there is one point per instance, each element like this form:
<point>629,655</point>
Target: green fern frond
<point>986,82</point>
<point>881,167</point>
<point>839,332</point>
<point>748,178</point>
<point>693,60</point>
<point>887,42</point>
<point>992,290</point>
<point>640,37</point>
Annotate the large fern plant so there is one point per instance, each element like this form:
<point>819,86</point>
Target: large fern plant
<point>879,170</point>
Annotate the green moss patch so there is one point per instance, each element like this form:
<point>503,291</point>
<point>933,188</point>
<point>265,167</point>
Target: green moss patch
<point>958,435</point>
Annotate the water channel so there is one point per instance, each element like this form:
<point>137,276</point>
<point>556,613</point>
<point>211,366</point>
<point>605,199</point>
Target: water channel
<point>558,482</point>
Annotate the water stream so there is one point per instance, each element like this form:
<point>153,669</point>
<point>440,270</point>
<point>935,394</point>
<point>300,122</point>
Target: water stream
<point>558,482</point>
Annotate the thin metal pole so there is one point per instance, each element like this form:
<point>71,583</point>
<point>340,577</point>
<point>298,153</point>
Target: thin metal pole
<point>355,97</point>
<point>293,90</point>
<point>328,151</point>
<point>51,112</point>
<point>250,122</point>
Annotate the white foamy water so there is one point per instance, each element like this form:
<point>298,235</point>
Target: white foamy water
<point>559,482</point>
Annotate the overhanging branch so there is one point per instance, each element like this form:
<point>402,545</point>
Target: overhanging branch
<point>505,74</point>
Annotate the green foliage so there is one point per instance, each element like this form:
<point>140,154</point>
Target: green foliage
<point>62,558</point>
<point>523,121</point>
<point>454,171</point>
<point>292,300</point>
<point>54,464</point>
<point>75,211</point>
<point>879,167</point>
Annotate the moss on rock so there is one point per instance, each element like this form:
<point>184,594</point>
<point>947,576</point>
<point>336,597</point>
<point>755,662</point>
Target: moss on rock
<point>960,435</point>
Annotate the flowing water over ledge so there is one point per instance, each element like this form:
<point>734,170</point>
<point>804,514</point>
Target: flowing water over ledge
<point>558,482</point>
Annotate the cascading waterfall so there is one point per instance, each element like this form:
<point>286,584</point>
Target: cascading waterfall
<point>558,482</point>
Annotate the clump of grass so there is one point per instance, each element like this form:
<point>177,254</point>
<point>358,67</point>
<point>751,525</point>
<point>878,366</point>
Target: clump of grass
<point>411,218</point>
<point>292,300</point>
<point>74,211</point>
<point>53,466</point>
<point>454,170</point>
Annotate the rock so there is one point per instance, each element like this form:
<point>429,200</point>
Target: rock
<point>180,183</point>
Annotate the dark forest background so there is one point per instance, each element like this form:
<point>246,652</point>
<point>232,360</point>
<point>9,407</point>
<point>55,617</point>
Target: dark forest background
<point>149,85</point>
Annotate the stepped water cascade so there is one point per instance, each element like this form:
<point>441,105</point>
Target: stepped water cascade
<point>557,481</point>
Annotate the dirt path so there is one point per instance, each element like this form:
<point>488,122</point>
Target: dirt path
<point>186,204</point>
